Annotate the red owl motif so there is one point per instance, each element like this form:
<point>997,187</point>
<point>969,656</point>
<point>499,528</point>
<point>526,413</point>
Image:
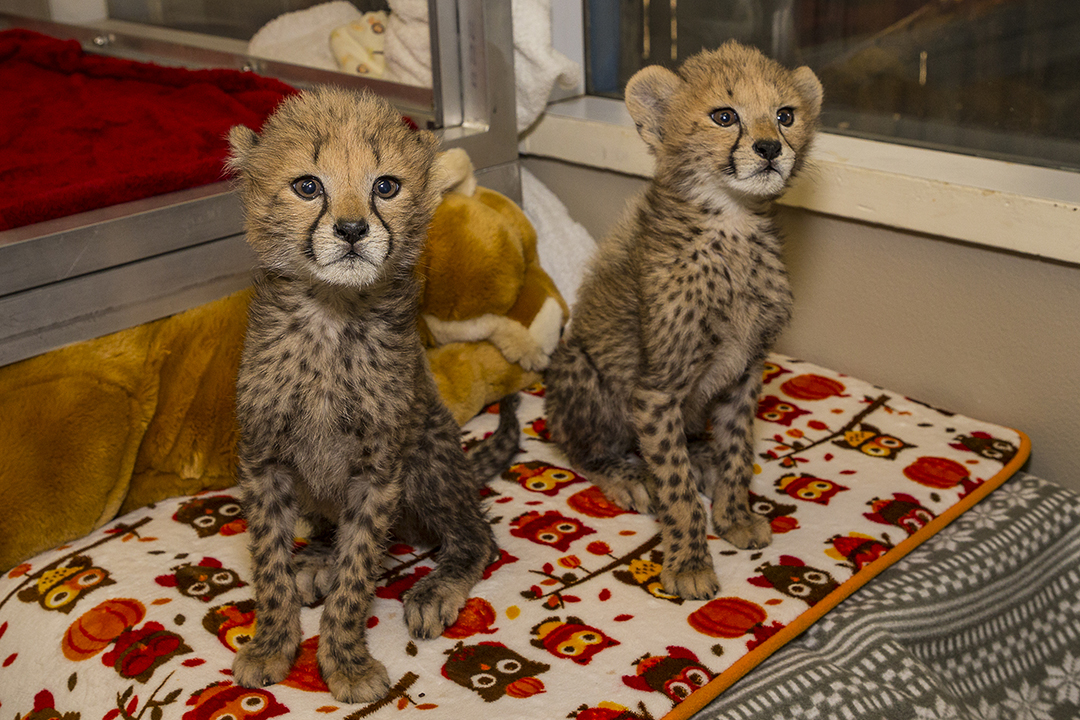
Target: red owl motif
<point>677,674</point>
<point>857,549</point>
<point>539,477</point>
<point>771,371</point>
<point>773,409</point>
<point>223,699</point>
<point>571,639</point>
<point>550,528</point>
<point>903,511</point>
<point>809,488</point>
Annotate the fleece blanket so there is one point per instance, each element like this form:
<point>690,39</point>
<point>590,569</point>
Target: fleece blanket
<point>141,618</point>
<point>81,131</point>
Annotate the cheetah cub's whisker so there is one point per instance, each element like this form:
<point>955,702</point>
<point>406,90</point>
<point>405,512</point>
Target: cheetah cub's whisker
<point>653,392</point>
<point>340,421</point>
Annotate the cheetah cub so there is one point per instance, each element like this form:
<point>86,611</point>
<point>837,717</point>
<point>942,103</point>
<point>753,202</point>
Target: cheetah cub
<point>340,421</point>
<point>654,391</point>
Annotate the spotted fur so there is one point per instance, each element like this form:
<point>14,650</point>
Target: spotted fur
<point>340,420</point>
<point>653,392</point>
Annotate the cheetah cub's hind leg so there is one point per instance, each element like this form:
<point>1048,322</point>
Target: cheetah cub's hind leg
<point>315,569</point>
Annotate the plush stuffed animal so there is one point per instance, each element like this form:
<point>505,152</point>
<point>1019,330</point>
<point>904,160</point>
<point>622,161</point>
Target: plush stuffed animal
<point>484,284</point>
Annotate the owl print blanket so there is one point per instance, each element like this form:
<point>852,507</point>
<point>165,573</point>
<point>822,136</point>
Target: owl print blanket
<point>141,618</point>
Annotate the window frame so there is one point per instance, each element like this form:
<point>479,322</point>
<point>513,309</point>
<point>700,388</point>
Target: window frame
<point>1028,209</point>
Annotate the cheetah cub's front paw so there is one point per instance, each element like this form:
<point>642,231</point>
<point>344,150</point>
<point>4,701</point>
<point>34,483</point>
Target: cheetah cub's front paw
<point>628,495</point>
<point>432,606</point>
<point>691,583</point>
<point>254,668</point>
<point>753,535</point>
<point>365,683</point>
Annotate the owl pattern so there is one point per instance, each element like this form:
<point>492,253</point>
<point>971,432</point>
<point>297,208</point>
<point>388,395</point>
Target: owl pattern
<point>809,488</point>
<point>796,579</point>
<point>539,477</point>
<point>986,445</point>
<point>646,575</point>
<point>212,515</point>
<point>224,700</point>
<point>494,671</point>
<point>871,441</point>
<point>774,410</point>
<point>550,528</point>
<point>902,511</point>
<point>61,584</point>
<point>677,674</point>
<point>779,515</point>
<point>571,639</point>
<point>232,623</point>
<point>204,581</point>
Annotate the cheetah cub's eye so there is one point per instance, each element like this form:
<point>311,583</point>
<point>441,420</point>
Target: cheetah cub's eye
<point>386,187</point>
<point>785,116</point>
<point>724,117</point>
<point>307,187</point>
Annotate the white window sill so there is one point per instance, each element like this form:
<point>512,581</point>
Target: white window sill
<point>1022,208</point>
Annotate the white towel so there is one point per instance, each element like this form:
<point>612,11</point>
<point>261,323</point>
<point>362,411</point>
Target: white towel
<point>408,43</point>
<point>303,37</point>
<point>564,245</point>
<point>537,65</point>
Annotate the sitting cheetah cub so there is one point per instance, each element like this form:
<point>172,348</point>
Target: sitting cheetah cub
<point>340,421</point>
<point>654,390</point>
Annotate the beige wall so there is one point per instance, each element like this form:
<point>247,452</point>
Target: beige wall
<point>984,333</point>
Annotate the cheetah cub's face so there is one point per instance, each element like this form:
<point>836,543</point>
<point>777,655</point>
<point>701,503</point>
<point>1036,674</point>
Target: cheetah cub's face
<point>336,189</point>
<point>731,120</point>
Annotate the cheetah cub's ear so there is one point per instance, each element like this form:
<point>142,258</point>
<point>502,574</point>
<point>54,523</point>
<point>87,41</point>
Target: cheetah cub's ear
<point>808,85</point>
<point>241,140</point>
<point>647,95</point>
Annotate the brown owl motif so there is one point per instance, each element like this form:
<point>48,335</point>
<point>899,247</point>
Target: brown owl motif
<point>986,445</point>
<point>773,409</point>
<point>571,639</point>
<point>646,575</point>
<point>61,584</point>
<point>796,579</point>
<point>809,488</point>
<point>233,623</point>
<point>212,515</point>
<point>903,511</point>
<point>225,700</point>
<point>493,670</point>
<point>204,581</point>
<point>677,674</point>
<point>539,477</point>
<point>779,515</point>
<point>871,441</point>
<point>550,528</point>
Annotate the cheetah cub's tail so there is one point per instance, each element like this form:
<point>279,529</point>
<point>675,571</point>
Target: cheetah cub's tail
<point>494,454</point>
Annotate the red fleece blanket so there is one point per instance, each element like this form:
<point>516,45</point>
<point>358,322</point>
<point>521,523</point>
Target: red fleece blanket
<point>81,131</point>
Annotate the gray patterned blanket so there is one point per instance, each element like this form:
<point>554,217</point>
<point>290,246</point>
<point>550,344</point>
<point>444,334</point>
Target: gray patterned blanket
<point>982,622</point>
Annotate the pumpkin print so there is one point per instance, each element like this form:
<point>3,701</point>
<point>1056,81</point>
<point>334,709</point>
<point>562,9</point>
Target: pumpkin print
<point>936,472</point>
<point>728,617</point>
<point>592,502</point>
<point>475,618</point>
<point>99,626</point>
<point>812,387</point>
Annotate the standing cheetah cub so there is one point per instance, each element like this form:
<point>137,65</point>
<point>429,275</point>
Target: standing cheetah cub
<point>340,421</point>
<point>653,393</point>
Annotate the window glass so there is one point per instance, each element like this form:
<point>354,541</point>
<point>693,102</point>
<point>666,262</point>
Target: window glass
<point>997,78</point>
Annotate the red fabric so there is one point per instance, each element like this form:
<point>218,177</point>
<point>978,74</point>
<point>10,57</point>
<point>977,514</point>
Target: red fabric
<point>81,131</point>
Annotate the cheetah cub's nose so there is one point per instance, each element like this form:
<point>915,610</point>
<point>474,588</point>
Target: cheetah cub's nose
<point>351,231</point>
<point>767,149</point>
